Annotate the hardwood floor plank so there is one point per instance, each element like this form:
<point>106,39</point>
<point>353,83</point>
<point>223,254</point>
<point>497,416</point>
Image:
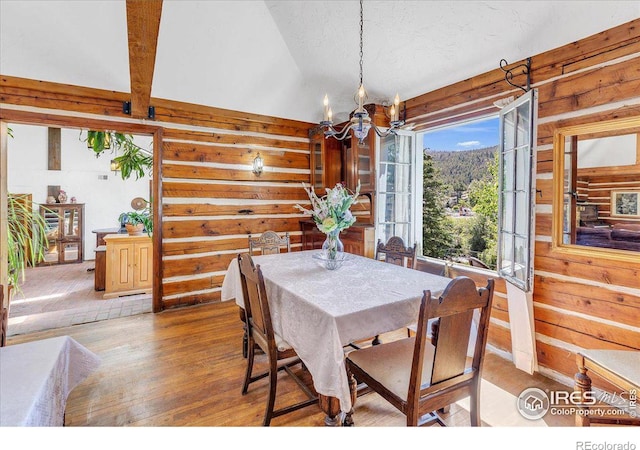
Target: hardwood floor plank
<point>184,367</point>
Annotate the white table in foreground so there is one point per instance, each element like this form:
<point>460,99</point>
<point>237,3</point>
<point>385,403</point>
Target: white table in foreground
<point>318,311</point>
<point>37,377</point>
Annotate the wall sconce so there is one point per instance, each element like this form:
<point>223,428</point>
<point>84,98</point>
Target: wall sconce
<point>115,165</point>
<point>258,164</point>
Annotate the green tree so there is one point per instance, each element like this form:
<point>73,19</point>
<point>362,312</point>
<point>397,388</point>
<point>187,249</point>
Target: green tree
<point>437,237</point>
<point>483,195</point>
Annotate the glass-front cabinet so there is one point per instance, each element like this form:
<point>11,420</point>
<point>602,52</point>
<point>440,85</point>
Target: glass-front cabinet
<point>65,232</point>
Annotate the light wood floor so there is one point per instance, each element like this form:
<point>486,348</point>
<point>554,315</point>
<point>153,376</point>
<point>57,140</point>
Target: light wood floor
<point>184,367</point>
<point>62,295</point>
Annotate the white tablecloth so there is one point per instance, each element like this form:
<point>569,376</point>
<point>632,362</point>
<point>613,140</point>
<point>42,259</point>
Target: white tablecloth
<point>37,377</point>
<point>318,311</point>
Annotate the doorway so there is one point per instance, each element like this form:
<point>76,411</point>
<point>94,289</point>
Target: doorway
<point>62,291</point>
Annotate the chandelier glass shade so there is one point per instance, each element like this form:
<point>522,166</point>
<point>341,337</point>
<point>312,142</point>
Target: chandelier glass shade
<point>360,121</point>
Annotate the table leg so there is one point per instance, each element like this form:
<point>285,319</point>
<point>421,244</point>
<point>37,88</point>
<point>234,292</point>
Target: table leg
<point>582,386</point>
<point>331,407</point>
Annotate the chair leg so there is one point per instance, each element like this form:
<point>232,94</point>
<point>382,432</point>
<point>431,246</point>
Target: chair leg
<point>245,343</point>
<point>250,354</point>
<point>271,400</point>
<point>474,405</point>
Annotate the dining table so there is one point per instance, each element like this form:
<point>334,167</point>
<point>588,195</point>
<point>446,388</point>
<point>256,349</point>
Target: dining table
<point>319,311</point>
<point>36,378</point>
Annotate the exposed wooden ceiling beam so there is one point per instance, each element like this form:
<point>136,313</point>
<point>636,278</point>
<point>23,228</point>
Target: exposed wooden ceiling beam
<point>143,24</point>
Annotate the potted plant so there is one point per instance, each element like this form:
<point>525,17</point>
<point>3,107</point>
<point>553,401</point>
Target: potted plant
<point>26,238</point>
<point>137,221</point>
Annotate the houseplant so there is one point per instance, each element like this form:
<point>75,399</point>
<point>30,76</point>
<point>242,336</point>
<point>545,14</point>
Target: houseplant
<point>137,221</point>
<point>132,160</point>
<point>26,237</point>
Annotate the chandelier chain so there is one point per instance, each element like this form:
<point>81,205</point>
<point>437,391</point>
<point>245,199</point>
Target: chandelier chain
<point>361,33</point>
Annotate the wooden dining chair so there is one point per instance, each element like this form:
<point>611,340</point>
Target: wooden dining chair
<point>260,334</point>
<point>420,376</point>
<point>269,243</point>
<point>395,252</point>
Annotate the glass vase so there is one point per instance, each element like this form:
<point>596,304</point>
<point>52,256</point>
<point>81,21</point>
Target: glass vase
<point>333,249</point>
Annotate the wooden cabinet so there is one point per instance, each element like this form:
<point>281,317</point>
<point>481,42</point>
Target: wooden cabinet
<point>129,265</point>
<point>326,160</point>
<point>66,232</point>
<point>357,239</point>
<point>333,161</point>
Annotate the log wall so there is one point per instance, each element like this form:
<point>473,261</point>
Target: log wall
<point>580,301</point>
<point>207,200</point>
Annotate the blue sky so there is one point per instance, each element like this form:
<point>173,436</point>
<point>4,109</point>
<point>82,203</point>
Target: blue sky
<point>469,136</point>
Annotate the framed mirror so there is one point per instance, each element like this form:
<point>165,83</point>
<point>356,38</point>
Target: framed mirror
<point>596,202</point>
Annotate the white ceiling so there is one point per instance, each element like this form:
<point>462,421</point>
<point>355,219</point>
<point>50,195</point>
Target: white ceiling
<point>279,57</point>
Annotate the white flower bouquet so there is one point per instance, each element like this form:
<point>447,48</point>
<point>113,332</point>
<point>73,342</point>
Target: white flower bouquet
<point>331,212</point>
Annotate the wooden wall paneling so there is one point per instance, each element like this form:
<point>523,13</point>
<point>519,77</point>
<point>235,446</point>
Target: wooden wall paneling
<point>235,150</point>
<point>613,274</point>
<point>499,337</point>
<point>544,191</point>
<point>575,338</point>
<point>248,209</point>
<point>191,299</point>
<point>202,245</point>
<point>57,96</point>
<point>607,333</point>
<point>54,149</point>
<point>197,265</point>
<point>543,224</point>
<point>172,288</point>
<point>215,173</point>
<point>614,83</point>
<point>220,227</point>
<point>175,112</point>
<point>248,192</point>
<point>617,306</point>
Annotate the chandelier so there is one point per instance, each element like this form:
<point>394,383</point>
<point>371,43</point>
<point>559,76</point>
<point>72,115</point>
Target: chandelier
<point>360,122</point>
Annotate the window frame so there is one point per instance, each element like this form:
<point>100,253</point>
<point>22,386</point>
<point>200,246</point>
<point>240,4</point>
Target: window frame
<point>557,230</point>
<point>415,220</point>
<point>525,284</point>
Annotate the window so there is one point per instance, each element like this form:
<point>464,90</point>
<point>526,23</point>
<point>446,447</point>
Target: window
<point>396,210</point>
<point>597,188</point>
<point>515,199</point>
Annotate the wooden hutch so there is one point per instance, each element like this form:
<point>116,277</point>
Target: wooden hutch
<point>347,161</point>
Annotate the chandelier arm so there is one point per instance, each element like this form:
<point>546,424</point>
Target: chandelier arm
<point>383,134</point>
<point>343,133</point>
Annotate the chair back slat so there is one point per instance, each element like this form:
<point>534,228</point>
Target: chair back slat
<point>269,243</point>
<point>452,340</point>
<point>454,313</point>
<point>255,295</point>
<point>395,252</point>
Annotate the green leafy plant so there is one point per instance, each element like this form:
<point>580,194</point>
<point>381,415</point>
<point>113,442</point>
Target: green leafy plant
<point>26,236</point>
<point>143,217</point>
<point>134,160</point>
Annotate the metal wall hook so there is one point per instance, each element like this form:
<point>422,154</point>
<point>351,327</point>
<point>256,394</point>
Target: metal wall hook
<point>526,70</point>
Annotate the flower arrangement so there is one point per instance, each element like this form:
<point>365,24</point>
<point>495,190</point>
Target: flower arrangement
<point>331,212</point>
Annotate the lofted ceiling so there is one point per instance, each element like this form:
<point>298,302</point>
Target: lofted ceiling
<point>280,57</point>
